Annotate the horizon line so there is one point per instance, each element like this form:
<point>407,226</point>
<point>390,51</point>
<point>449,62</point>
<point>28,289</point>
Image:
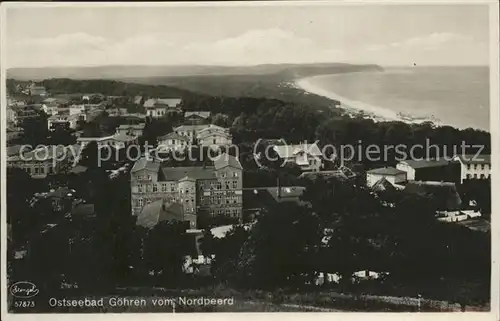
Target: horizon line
<point>250,66</point>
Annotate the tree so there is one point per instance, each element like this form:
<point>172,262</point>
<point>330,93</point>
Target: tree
<point>165,248</point>
<point>221,120</point>
<point>286,259</point>
<point>90,155</point>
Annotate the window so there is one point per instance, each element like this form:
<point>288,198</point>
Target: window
<point>483,176</point>
<point>172,188</point>
<point>468,176</point>
<point>140,188</point>
<point>475,166</point>
<point>42,170</point>
<point>149,177</point>
<point>215,142</point>
<point>173,142</point>
<point>164,187</point>
<point>235,184</point>
<point>140,202</point>
<point>468,166</point>
<point>227,185</point>
<point>36,170</point>
<point>219,185</point>
<point>223,175</point>
<point>235,212</point>
<point>482,166</point>
<point>228,212</point>
<point>187,191</point>
<point>235,174</point>
<point>219,199</point>
<point>475,176</point>
<point>155,188</point>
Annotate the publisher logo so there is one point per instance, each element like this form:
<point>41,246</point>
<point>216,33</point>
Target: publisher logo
<point>24,290</point>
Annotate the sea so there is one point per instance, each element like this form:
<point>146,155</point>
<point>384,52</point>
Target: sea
<point>456,96</point>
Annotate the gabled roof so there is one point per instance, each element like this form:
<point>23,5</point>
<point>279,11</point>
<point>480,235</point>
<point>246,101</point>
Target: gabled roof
<point>473,159</point>
<point>166,102</point>
<point>287,151</point>
<point>157,211</point>
<point>225,159</point>
<point>78,169</point>
<point>390,171</point>
<point>327,174</point>
<point>202,114</point>
<point>190,128</point>
<point>170,102</point>
<point>132,126</point>
<point>149,103</point>
<point>54,100</point>
<point>173,135</point>
<point>122,137</point>
<point>193,172</point>
<point>383,185</point>
<point>424,163</point>
<point>213,130</point>
<point>60,192</point>
<point>146,164</point>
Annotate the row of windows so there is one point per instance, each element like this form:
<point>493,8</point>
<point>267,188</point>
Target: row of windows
<point>140,178</point>
<point>476,166</point>
<point>175,142</point>
<point>475,176</point>
<point>227,185</point>
<point>228,212</point>
<point>223,174</point>
<point>38,170</point>
<point>169,187</point>
<point>219,200</point>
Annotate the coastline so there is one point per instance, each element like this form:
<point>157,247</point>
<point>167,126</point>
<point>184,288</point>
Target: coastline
<point>354,108</point>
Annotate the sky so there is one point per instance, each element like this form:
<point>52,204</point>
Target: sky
<point>247,35</point>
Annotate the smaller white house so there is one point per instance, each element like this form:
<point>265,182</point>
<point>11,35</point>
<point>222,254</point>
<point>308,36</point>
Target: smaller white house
<point>67,121</point>
<point>131,129</point>
<point>190,131</point>
<point>172,141</point>
<point>77,110</point>
<point>117,141</point>
<point>307,156</point>
<point>474,166</point>
<point>50,109</point>
<point>391,174</point>
<point>159,107</point>
<point>214,136</point>
<point>196,117</point>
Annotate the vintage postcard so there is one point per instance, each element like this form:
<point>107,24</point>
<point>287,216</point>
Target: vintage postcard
<point>316,157</point>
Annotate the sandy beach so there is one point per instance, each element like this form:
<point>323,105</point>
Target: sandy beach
<point>351,106</point>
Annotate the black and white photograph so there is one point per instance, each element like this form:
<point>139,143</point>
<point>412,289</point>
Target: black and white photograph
<point>249,157</point>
